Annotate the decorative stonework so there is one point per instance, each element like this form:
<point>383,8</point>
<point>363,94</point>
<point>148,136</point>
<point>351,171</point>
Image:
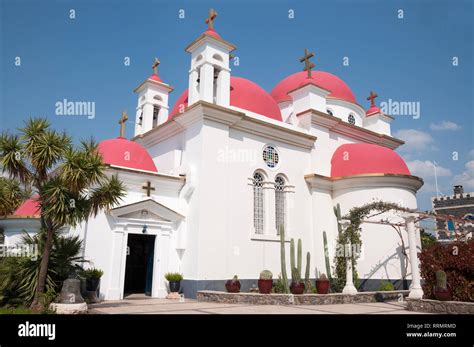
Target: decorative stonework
<point>304,299</point>
<point>435,306</point>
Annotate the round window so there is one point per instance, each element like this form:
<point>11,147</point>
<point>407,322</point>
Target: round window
<point>351,119</point>
<point>270,156</point>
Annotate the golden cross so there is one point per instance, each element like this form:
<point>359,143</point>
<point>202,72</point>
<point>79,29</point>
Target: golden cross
<point>155,66</point>
<point>211,18</point>
<point>372,97</point>
<point>122,122</point>
<point>148,188</point>
<point>308,65</point>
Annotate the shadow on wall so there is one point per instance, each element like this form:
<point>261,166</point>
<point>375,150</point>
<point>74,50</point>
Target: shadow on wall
<point>373,284</point>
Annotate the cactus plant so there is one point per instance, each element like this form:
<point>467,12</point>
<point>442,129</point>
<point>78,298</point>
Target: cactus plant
<point>337,213</point>
<point>284,276</point>
<point>307,282</point>
<point>326,255</point>
<point>295,276</point>
<point>292,255</point>
<point>441,279</point>
<point>300,255</point>
<point>266,275</point>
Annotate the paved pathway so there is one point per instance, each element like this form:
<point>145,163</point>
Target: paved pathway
<point>137,304</point>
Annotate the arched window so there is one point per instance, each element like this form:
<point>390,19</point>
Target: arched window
<point>258,214</point>
<point>280,203</point>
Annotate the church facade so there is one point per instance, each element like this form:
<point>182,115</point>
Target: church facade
<point>211,178</point>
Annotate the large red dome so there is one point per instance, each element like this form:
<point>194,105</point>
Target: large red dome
<point>244,94</point>
<point>338,88</point>
<point>364,158</point>
<point>126,153</point>
<point>29,208</point>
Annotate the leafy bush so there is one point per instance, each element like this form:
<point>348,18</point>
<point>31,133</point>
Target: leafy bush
<point>92,273</point>
<point>278,286</point>
<point>173,277</point>
<point>19,275</point>
<point>456,259</point>
<point>386,286</point>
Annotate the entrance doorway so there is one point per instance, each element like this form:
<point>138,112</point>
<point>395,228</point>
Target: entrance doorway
<point>139,264</point>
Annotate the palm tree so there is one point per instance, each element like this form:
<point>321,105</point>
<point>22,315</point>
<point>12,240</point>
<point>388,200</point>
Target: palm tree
<point>11,196</point>
<point>70,181</point>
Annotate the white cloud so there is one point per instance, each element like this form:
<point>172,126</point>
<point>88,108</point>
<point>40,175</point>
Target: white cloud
<point>445,125</point>
<point>415,140</point>
<point>424,169</point>
<point>466,178</point>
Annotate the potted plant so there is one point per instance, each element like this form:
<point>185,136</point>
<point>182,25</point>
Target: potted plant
<point>297,285</point>
<point>440,290</point>
<point>322,284</point>
<point>265,282</point>
<point>233,285</point>
<point>92,277</point>
<point>174,279</point>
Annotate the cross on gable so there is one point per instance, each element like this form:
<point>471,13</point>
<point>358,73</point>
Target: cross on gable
<point>122,122</point>
<point>155,66</point>
<point>210,19</point>
<point>308,65</point>
<point>148,188</point>
<point>372,97</point>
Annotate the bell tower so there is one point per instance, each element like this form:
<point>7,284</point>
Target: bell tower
<point>209,76</point>
<point>152,108</point>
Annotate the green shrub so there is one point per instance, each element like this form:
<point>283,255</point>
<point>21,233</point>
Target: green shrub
<point>386,286</point>
<point>92,273</point>
<point>278,286</point>
<point>456,259</point>
<point>173,277</point>
<point>19,275</point>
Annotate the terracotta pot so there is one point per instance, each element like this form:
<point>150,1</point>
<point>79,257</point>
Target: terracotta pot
<point>442,294</point>
<point>322,286</point>
<point>265,286</point>
<point>297,288</point>
<point>232,286</point>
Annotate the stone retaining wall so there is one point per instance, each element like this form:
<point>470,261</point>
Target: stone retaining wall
<point>435,306</point>
<point>304,299</point>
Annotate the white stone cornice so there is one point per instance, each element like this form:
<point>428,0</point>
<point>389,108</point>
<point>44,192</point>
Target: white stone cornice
<point>338,126</point>
<point>412,183</point>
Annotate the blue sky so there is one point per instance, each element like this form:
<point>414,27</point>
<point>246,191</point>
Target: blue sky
<point>407,59</point>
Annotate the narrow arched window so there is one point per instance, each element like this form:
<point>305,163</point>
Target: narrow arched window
<point>280,203</point>
<point>258,214</point>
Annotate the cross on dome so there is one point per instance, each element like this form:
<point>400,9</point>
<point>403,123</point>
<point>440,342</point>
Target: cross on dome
<point>372,97</point>
<point>155,66</point>
<point>148,188</point>
<point>122,122</point>
<point>210,19</point>
<point>308,65</point>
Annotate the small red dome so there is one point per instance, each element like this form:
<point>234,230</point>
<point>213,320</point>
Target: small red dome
<point>126,153</point>
<point>338,88</point>
<point>155,77</point>
<point>213,33</point>
<point>244,94</point>
<point>364,158</point>
<point>28,208</point>
<point>373,109</point>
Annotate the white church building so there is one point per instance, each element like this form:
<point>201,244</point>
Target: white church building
<point>211,177</point>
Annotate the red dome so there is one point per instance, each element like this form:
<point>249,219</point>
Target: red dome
<point>213,33</point>
<point>373,109</point>
<point>155,77</point>
<point>244,94</point>
<point>28,208</point>
<point>338,88</point>
<point>126,153</point>
<point>364,158</point>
